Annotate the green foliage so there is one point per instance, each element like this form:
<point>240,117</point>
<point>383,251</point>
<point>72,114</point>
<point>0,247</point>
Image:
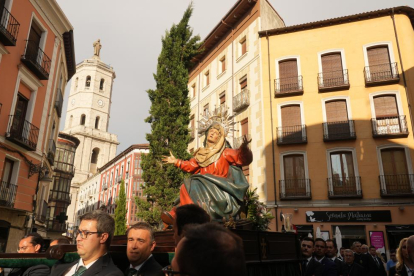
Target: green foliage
<point>257,212</point>
<point>120,211</point>
<point>169,119</point>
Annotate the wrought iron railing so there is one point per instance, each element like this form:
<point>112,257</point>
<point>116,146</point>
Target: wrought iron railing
<point>333,79</point>
<point>295,189</point>
<point>291,134</point>
<point>395,125</point>
<point>342,130</point>
<point>7,194</point>
<point>288,85</point>
<point>9,28</point>
<point>51,150</point>
<point>344,187</point>
<point>36,60</point>
<point>237,142</point>
<point>397,185</point>
<point>22,132</point>
<point>381,73</point>
<point>59,102</point>
<point>241,100</point>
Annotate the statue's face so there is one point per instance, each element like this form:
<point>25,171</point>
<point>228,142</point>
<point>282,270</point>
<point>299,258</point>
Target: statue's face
<point>213,136</point>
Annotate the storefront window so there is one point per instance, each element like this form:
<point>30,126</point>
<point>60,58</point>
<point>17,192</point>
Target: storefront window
<point>350,234</point>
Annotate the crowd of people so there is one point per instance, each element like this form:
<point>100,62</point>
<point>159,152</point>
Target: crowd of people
<point>321,258</point>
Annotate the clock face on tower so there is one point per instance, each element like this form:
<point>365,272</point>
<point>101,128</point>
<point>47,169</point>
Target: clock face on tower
<point>100,103</point>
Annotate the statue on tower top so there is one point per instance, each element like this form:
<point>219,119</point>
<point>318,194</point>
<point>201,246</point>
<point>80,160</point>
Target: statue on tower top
<point>97,47</point>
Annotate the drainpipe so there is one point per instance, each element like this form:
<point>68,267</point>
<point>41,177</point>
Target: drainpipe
<point>232,64</point>
<point>271,127</point>
<point>402,69</point>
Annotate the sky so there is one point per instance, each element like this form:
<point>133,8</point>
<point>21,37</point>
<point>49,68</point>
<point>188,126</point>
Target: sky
<point>131,30</point>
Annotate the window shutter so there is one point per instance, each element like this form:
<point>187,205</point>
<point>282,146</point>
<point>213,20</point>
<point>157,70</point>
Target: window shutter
<point>223,99</point>
<point>245,126</point>
<point>294,166</point>
<point>288,68</point>
<point>331,62</point>
<point>378,55</point>
<point>385,106</point>
<point>243,84</point>
<point>291,115</point>
<point>336,111</point>
<point>394,162</point>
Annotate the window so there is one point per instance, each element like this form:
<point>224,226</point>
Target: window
<point>222,99</point>
<point>243,46</point>
<point>7,174</point>
<point>222,64</point>
<point>97,122</point>
<point>245,132</point>
<point>387,119</point>
<point>101,84</point>
<point>243,83</point>
<point>294,179</point>
<point>88,81</point>
<point>193,90</point>
<point>70,120</point>
<point>206,110</point>
<point>332,71</point>
<point>207,78</point>
<point>83,119</point>
<point>292,129</point>
<point>76,83</point>
<point>94,160</point>
<point>336,124</point>
<point>380,65</point>
<point>289,79</point>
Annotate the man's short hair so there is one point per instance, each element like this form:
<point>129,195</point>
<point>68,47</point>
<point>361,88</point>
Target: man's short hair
<point>372,247</point>
<point>320,240</point>
<point>354,244</point>
<point>62,241</point>
<point>210,249</point>
<point>308,239</point>
<point>190,214</point>
<point>144,226</point>
<point>349,251</point>
<point>35,239</point>
<point>333,242</point>
<point>104,223</point>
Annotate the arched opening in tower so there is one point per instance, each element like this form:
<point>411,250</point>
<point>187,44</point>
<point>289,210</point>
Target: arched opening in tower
<point>94,160</point>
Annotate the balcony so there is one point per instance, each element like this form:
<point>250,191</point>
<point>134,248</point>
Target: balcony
<point>51,151</point>
<point>9,28</point>
<point>398,185</point>
<point>286,87</point>
<point>389,127</point>
<point>7,194</point>
<point>221,110</point>
<point>104,187</point>
<point>41,216</point>
<point>22,133</point>
<point>36,60</point>
<point>343,130</point>
<point>291,135</point>
<point>60,196</point>
<point>59,102</point>
<point>64,167</point>
<point>381,74</point>
<point>344,187</point>
<point>241,100</point>
<point>295,189</point>
<point>333,80</point>
<point>237,142</point>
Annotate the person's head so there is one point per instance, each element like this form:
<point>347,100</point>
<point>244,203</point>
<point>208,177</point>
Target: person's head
<point>402,254</point>
<point>214,135</point>
<point>307,247</point>
<point>331,248</point>
<point>342,251</point>
<point>364,248</point>
<point>373,251</point>
<point>188,214</point>
<point>222,252</point>
<point>356,247</point>
<point>31,243</point>
<point>59,242</point>
<point>320,248</point>
<point>140,243</point>
<point>94,235</point>
<point>349,256</point>
<point>393,256</point>
<point>410,248</point>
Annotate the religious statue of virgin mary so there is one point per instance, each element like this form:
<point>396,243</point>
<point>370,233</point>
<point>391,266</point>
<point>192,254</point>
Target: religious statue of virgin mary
<point>217,178</point>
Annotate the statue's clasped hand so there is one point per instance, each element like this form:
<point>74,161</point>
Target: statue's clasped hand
<point>169,159</point>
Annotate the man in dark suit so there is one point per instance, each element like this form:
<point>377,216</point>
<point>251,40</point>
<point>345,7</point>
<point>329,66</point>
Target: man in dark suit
<point>140,244</point>
<point>329,267</point>
<point>331,253</point>
<point>376,267</point>
<point>351,268</point>
<point>361,259</point>
<point>31,243</point>
<point>309,266</point>
<point>93,240</point>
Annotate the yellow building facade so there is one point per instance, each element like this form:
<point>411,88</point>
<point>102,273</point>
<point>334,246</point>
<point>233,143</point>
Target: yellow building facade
<point>338,125</point>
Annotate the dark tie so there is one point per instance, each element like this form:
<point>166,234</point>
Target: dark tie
<point>304,265</point>
<point>131,272</point>
<point>80,271</point>
<point>376,260</point>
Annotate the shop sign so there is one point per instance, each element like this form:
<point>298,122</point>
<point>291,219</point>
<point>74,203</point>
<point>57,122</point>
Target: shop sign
<point>348,216</point>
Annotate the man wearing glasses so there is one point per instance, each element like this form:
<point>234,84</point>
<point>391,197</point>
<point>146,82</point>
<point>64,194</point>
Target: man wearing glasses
<point>31,243</point>
<point>93,240</point>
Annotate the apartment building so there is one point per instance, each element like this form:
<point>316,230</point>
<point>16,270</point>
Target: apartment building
<point>227,77</point>
<point>37,59</point>
<point>338,125</point>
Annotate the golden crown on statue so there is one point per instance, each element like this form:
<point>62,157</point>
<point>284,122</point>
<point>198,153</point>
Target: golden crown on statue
<point>219,115</point>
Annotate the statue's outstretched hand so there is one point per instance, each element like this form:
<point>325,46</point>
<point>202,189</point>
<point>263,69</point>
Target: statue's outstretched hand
<point>245,142</point>
<point>169,159</point>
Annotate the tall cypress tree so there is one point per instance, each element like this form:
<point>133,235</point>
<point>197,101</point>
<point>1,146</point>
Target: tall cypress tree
<point>169,119</point>
<point>120,211</point>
